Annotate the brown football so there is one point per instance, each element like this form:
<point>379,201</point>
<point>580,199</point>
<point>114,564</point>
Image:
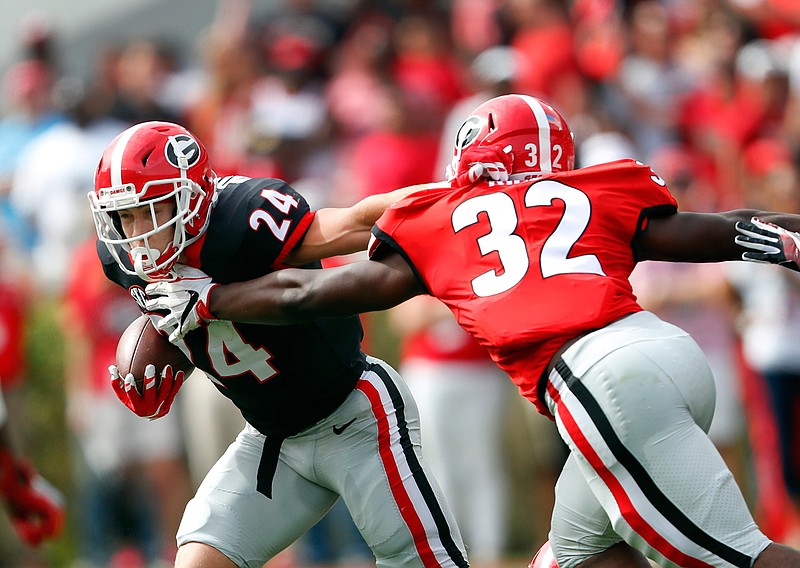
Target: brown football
<point>141,344</point>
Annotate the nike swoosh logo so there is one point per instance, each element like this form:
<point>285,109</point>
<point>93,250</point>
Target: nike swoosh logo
<point>339,429</point>
<point>193,297</point>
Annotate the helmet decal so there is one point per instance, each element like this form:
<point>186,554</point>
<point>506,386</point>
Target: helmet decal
<point>182,147</point>
<point>468,132</point>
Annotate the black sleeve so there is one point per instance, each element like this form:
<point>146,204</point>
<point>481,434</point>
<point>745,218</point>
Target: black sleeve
<point>254,223</point>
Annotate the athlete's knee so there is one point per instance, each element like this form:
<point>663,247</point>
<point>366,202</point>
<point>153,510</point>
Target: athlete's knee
<point>620,555</point>
<point>199,555</point>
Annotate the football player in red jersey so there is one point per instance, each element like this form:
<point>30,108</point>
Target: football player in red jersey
<point>323,420</point>
<point>36,507</point>
<point>533,258</point>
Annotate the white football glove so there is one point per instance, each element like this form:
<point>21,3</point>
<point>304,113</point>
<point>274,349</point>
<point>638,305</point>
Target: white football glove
<point>767,242</point>
<point>186,300</point>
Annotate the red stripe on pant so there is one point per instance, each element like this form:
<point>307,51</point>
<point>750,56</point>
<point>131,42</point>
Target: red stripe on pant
<point>626,506</point>
<point>401,496</point>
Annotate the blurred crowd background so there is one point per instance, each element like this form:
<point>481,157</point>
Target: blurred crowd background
<point>343,98</point>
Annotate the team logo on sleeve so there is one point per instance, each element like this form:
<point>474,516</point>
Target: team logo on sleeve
<point>182,146</point>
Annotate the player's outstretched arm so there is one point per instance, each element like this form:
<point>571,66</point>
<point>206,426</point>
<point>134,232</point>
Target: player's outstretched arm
<point>702,237</point>
<point>295,295</point>
<point>285,297</point>
<point>339,231</point>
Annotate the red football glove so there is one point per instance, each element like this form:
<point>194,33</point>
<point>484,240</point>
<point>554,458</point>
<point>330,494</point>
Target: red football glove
<point>491,162</point>
<point>158,394</point>
<point>36,507</point>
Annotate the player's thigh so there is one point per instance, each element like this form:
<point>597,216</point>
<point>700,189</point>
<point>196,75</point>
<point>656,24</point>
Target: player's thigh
<point>376,464</point>
<point>636,421</point>
<point>230,515</point>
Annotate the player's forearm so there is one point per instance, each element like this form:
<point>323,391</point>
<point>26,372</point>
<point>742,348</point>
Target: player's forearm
<point>369,210</point>
<point>271,299</point>
<point>333,232</point>
<point>714,238</point>
<point>297,296</point>
<point>341,231</point>
<point>701,237</point>
<point>284,297</point>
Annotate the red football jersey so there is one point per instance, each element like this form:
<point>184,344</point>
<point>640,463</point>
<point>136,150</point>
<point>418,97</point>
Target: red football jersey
<point>528,265</point>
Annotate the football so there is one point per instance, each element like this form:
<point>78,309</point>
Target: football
<point>141,344</point>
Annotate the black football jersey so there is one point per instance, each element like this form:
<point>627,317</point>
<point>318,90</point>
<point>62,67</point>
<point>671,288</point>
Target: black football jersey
<point>282,378</point>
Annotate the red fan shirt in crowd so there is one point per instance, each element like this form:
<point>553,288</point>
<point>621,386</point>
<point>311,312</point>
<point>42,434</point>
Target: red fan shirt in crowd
<point>445,342</point>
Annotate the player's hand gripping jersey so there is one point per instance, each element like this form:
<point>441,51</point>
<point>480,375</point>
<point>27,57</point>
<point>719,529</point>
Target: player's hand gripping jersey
<point>523,303</point>
<point>283,378</point>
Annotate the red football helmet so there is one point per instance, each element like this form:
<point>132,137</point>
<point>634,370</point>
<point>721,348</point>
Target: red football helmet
<point>544,558</point>
<point>535,133</point>
<point>147,164</point>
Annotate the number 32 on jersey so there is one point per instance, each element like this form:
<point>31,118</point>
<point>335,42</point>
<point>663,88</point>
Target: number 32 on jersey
<point>510,247</point>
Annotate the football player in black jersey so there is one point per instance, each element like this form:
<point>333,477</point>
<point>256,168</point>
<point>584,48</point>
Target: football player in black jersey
<point>324,420</point>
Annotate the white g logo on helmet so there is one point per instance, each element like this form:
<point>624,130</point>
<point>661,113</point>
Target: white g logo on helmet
<point>182,151</point>
<point>466,135</point>
<point>468,132</point>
